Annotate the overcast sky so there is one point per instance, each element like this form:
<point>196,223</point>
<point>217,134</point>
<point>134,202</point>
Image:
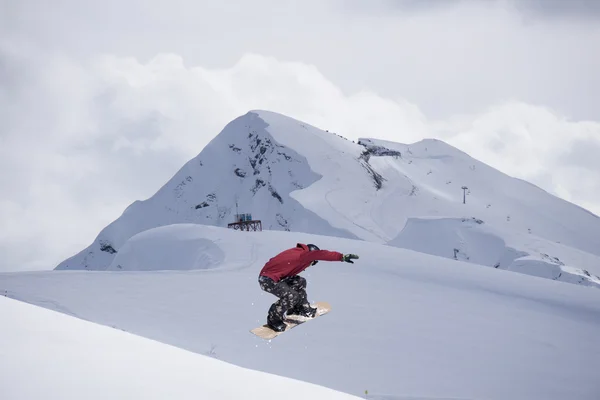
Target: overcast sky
<point>102,102</point>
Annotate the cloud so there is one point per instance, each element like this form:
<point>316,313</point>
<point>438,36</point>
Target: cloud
<point>448,57</point>
<point>539,9</point>
<point>81,140</point>
<point>536,144</point>
<point>560,9</point>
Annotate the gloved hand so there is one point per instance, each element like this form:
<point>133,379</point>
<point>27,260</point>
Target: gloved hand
<point>349,257</point>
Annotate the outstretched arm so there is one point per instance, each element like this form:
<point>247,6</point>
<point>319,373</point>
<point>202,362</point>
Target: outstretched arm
<point>323,255</point>
<point>326,255</point>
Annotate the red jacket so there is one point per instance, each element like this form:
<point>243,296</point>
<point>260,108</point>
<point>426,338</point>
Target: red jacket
<point>295,260</point>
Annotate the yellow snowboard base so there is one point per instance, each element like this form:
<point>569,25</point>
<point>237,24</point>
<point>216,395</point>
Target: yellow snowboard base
<point>267,333</point>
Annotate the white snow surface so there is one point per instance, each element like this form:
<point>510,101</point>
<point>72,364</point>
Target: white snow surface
<point>296,177</point>
<point>468,239</point>
<point>403,325</point>
<point>50,355</point>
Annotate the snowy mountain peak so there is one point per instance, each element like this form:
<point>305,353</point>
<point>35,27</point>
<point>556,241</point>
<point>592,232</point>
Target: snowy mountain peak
<point>295,177</point>
<point>246,169</point>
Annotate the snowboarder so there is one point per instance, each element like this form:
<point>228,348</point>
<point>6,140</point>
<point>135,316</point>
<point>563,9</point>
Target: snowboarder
<point>280,277</point>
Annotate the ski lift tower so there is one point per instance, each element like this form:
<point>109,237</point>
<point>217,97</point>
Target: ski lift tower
<point>464,188</point>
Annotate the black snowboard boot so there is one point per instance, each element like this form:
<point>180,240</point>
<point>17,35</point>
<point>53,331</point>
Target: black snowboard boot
<point>303,310</point>
<point>276,324</point>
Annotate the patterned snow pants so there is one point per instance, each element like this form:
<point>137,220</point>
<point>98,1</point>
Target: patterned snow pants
<point>291,292</point>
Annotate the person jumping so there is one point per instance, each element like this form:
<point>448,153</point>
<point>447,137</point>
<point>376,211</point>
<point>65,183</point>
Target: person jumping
<point>279,276</point>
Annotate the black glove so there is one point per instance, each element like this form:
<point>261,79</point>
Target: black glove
<point>349,257</point>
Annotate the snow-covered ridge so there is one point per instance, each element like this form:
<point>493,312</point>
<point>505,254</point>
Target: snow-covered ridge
<point>183,247</point>
<point>74,359</point>
<point>296,177</point>
<point>471,240</point>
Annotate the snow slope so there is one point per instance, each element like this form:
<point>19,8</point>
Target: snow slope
<point>404,324</point>
<point>471,240</point>
<point>296,177</point>
<point>49,355</point>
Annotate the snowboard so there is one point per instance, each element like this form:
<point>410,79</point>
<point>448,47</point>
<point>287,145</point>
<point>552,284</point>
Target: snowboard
<point>293,321</point>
